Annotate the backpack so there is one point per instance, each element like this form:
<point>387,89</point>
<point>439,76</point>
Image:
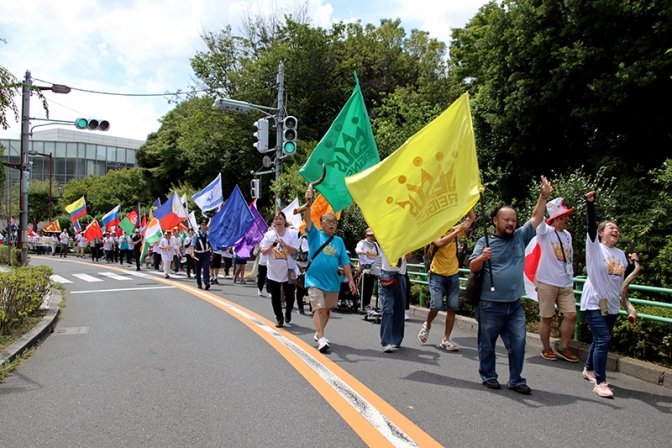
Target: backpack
<point>428,256</point>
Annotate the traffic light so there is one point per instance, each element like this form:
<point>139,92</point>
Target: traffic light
<point>91,124</point>
<point>289,135</point>
<point>261,135</point>
<point>255,192</point>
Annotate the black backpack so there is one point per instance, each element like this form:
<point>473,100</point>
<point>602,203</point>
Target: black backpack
<point>428,256</point>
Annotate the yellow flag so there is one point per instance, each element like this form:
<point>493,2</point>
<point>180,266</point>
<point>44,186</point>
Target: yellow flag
<point>422,189</point>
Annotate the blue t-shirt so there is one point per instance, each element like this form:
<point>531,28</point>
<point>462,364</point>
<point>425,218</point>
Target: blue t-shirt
<point>508,259</point>
<point>323,271</point>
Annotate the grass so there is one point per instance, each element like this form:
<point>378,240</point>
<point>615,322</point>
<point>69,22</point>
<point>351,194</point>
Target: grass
<point>15,333</point>
<point>8,368</point>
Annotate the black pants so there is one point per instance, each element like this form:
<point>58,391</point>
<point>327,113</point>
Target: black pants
<point>228,262</point>
<point>261,278</point>
<point>369,280</point>
<point>188,265</point>
<point>300,293</point>
<point>157,260</point>
<point>136,254</point>
<point>276,299</point>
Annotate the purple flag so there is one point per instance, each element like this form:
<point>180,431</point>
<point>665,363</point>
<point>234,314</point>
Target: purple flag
<point>254,235</point>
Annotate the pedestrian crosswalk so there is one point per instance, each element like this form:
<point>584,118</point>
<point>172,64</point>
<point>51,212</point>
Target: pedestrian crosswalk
<point>101,277</point>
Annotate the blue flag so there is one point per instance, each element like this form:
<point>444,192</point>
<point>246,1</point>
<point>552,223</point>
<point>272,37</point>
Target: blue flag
<point>231,222</point>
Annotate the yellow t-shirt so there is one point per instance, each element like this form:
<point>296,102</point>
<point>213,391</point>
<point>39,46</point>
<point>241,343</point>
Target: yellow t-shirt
<point>445,260</point>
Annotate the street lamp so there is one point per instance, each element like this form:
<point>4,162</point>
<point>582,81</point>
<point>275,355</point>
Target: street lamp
<point>23,173</point>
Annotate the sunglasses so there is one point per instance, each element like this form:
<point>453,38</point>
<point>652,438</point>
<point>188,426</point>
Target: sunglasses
<point>369,234</point>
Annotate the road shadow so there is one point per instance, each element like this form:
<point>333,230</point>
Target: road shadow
<point>537,398</point>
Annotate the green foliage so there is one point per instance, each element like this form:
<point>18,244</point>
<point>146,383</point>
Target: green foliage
<point>565,84</point>
<point>126,187</point>
<point>4,255</point>
<point>23,290</point>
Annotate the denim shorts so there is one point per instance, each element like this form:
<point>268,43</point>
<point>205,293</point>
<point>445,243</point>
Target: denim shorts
<point>448,286</point>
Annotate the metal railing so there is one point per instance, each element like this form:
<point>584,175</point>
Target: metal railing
<point>419,271</point>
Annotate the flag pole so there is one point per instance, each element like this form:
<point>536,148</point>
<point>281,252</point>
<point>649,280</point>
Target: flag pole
<point>487,243</point>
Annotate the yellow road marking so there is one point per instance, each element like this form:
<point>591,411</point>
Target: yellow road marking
<point>368,429</point>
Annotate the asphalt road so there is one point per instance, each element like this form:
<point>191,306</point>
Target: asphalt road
<point>143,361</point>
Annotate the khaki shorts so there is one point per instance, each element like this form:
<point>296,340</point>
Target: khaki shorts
<point>549,295</point>
<point>322,299</point>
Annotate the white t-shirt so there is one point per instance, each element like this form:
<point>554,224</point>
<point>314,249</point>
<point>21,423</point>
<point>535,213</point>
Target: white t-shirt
<point>606,269</point>
<point>393,268</point>
<point>552,267</point>
<point>166,249</point>
<point>369,247</point>
<point>108,242</point>
<point>177,244</point>
<point>65,238</point>
<point>278,260</point>
<point>82,242</point>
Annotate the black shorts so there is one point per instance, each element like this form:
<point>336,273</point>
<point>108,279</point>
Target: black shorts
<point>216,261</point>
<point>240,262</point>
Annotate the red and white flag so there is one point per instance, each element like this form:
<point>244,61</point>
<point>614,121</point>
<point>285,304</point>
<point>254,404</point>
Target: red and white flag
<point>532,257</point>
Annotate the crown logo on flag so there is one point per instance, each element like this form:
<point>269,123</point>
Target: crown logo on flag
<point>433,194</point>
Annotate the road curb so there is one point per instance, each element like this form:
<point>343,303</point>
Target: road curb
<point>38,334</point>
<point>642,370</point>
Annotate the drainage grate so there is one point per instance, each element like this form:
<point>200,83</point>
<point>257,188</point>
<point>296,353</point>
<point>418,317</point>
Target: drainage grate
<point>73,330</point>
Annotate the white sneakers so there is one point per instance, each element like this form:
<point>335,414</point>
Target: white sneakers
<point>260,293</point>
<point>323,345</point>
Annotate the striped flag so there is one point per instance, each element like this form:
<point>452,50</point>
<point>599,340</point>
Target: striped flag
<point>152,234</point>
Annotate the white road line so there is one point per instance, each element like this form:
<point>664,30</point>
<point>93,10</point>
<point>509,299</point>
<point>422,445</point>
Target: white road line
<point>59,279</point>
<point>389,430</point>
<point>115,276</point>
<point>87,278</point>
<point>141,275</point>
<point>121,289</point>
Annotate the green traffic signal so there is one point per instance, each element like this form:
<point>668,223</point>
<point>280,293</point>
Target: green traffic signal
<point>81,123</point>
<point>289,148</point>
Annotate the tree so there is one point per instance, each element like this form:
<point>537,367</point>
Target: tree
<point>558,85</point>
<point>126,187</point>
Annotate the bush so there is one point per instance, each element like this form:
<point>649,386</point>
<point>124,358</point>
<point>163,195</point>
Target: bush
<point>4,256</point>
<point>23,290</point>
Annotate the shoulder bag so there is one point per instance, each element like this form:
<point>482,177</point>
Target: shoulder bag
<point>301,280</point>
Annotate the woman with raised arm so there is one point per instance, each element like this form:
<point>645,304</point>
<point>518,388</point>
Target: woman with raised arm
<point>601,295</point>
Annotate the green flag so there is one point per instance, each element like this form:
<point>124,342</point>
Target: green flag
<point>347,148</point>
<point>129,222</point>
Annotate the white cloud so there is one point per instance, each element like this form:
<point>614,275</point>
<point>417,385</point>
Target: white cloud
<point>144,46</point>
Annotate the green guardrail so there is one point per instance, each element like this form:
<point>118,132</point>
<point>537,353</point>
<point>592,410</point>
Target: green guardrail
<point>419,271</point>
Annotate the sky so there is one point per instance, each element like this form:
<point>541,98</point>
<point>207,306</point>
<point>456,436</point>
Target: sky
<point>144,46</point>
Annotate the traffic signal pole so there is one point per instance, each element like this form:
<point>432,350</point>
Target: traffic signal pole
<point>279,118</point>
<point>23,176</point>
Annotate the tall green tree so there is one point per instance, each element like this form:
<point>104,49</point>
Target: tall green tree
<point>559,84</point>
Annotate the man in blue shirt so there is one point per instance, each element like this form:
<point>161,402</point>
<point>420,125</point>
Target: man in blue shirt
<point>500,313</point>
<point>322,280</point>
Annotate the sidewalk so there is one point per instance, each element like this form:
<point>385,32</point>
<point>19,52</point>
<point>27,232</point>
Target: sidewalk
<point>645,371</point>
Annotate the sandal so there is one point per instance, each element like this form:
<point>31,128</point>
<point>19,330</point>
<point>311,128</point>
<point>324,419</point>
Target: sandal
<point>424,333</point>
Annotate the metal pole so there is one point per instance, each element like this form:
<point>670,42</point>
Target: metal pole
<point>25,134</point>
<point>51,175</point>
<point>280,115</point>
